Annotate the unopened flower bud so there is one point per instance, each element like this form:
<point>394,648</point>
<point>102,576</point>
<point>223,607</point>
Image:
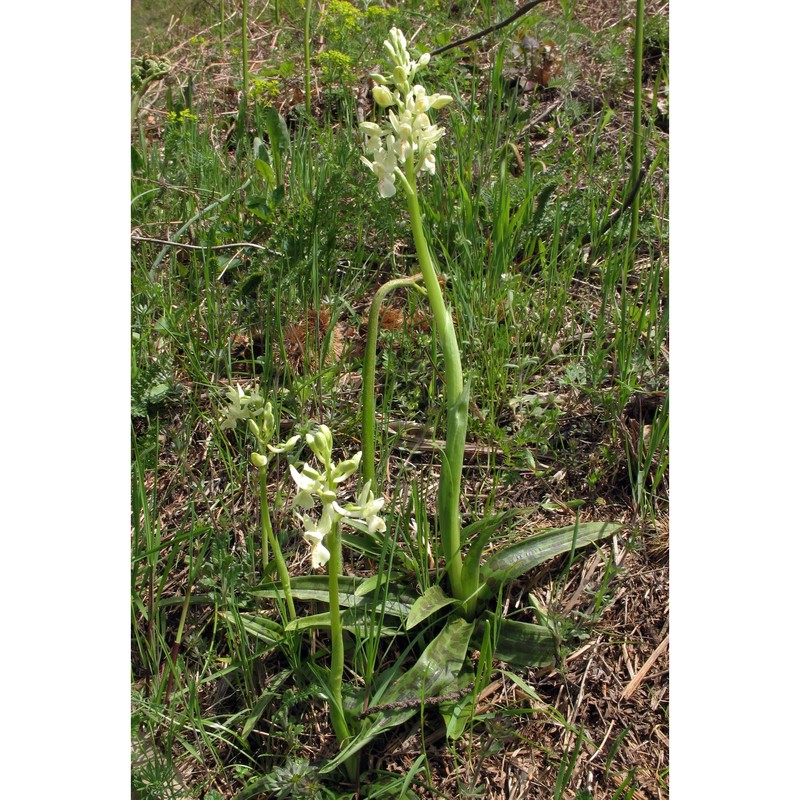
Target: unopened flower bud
<point>286,446</point>
<point>268,422</point>
<point>400,75</point>
<point>382,96</point>
<point>441,100</point>
<point>258,460</point>
<point>344,469</point>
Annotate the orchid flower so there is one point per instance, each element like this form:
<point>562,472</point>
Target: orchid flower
<point>410,136</point>
<point>242,405</point>
<point>323,485</point>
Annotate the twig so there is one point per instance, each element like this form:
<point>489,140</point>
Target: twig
<point>491,29</point>
<point>640,675</point>
<point>169,243</point>
<point>442,698</point>
<point>601,745</point>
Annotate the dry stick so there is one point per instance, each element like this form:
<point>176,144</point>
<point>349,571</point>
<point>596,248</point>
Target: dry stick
<point>417,703</point>
<point>602,744</point>
<point>640,675</point>
<point>169,243</point>
<point>491,29</point>
<point>196,246</point>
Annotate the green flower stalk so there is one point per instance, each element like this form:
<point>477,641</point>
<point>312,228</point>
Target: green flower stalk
<point>307,57</point>
<point>250,407</point>
<point>323,535</point>
<point>368,374</point>
<point>245,54</point>
<point>400,152</point>
<point>636,159</point>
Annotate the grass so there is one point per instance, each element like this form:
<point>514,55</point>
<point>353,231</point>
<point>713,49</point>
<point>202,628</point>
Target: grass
<point>563,329</point>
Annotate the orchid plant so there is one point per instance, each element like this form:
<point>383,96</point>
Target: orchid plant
<point>323,535</point>
<point>255,411</point>
<point>399,152</point>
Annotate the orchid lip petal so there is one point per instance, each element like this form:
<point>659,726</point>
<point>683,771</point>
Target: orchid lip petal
<point>305,483</point>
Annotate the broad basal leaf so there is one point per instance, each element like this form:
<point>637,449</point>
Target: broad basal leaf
<point>394,600</point>
<point>432,675</point>
<point>355,620</point>
<point>429,603</point>
<point>520,643</point>
<point>519,558</point>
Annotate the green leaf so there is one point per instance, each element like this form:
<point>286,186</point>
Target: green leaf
<point>352,619</point>
<point>520,643</point>
<point>266,172</point>
<point>260,149</point>
<point>457,713</point>
<point>157,393</point>
<point>526,688</point>
<point>429,603</point>
<point>276,130</point>
<point>262,628</point>
<point>519,558</point>
<point>137,162</point>
<point>277,196</point>
<point>434,673</point>
<point>258,206</point>
<point>482,530</point>
<point>262,703</point>
<point>396,601</point>
<point>492,521</point>
<point>371,583</point>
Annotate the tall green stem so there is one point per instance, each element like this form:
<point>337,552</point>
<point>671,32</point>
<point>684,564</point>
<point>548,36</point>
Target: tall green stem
<point>337,638</point>
<point>450,481</point>
<point>636,157</point>
<point>245,58</point>
<point>307,56</point>
<point>368,377</point>
<point>267,539</point>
